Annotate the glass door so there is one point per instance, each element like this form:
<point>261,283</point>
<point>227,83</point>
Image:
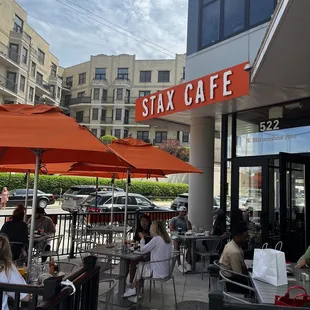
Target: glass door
<point>294,190</point>
<point>249,196</point>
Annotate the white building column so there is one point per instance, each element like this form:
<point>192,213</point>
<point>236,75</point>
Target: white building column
<point>200,203</point>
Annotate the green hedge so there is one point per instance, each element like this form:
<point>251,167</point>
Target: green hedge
<point>53,184</point>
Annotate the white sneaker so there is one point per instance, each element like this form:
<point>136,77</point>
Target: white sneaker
<point>181,268</point>
<point>130,292</point>
<point>188,267</point>
<point>134,299</point>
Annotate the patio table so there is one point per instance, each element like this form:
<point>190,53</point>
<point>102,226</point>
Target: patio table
<point>192,240</point>
<point>266,292</point>
<point>124,257</point>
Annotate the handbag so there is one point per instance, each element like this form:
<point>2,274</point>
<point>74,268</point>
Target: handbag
<point>298,301</point>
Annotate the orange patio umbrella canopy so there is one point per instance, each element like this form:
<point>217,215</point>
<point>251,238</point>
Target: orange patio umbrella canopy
<point>26,129</point>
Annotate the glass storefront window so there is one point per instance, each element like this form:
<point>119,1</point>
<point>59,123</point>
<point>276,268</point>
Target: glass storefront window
<point>229,136</point>
<point>271,130</point>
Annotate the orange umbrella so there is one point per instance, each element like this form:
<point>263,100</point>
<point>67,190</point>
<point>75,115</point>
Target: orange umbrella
<point>35,134</point>
<point>142,155</point>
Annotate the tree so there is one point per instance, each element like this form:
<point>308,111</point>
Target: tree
<point>174,148</point>
<point>107,139</point>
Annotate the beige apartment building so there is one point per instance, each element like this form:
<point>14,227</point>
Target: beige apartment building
<point>29,72</point>
<point>104,91</point>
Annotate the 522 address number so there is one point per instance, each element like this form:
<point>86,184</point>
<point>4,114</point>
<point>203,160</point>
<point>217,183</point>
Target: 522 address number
<point>269,125</point>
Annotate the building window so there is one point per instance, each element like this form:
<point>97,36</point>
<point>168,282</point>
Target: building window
<point>31,92</point>
<point>102,132</point>
<point>13,52</point>
<point>58,92</point>
<point>39,78</point>
<point>18,24</point>
<point>52,91</point>
<point>119,94</point>
<point>143,93</point>
<point>33,69</point>
<point>125,133</point>
<point>117,133</point>
<point>100,74</point>
<point>79,116</point>
<point>185,137</point>
<point>24,55</point>
<point>41,56</point>
<point>67,100</point>
<point>221,19</point>
<point>103,115</point>
<point>145,76</point>
<point>160,136</point>
<point>94,132</point>
<point>143,135</point>
<point>95,114</point>
<point>53,69</point>
<point>96,93</point>
<point>104,97</point>
<point>69,81</point>
<point>82,78</point>
<point>164,76</point>
<point>22,83</point>
<point>122,73</point>
<point>261,11</point>
<point>81,94</point>
<point>183,74</point>
<point>118,114</point>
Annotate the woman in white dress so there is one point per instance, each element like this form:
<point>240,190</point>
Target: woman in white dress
<point>161,249</point>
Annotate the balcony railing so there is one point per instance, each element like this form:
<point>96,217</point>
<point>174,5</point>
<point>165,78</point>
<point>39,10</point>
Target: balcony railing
<point>130,121</point>
<point>9,53</point>
<point>80,100</point>
<point>130,100</point>
<point>85,120</point>
<point>107,99</point>
<point>67,85</point>
<point>101,81</point>
<point>8,84</point>
<point>106,120</point>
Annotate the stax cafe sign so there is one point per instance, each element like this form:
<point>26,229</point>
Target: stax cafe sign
<point>220,86</point>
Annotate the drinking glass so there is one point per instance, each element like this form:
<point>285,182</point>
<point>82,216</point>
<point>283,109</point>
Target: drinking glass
<point>45,272</point>
<point>194,228</point>
<point>34,272</point>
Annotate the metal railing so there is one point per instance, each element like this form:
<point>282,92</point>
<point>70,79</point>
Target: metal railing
<point>107,120</point>
<point>131,100</point>
<point>74,227</point>
<point>8,84</point>
<point>85,120</point>
<point>80,100</point>
<point>107,99</point>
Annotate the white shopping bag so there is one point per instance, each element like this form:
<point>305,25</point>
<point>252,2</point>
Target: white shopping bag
<point>269,266</point>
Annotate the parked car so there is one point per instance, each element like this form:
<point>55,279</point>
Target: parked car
<point>17,196</point>
<point>182,200</point>
<point>104,202</point>
<point>75,196</point>
<point>250,204</point>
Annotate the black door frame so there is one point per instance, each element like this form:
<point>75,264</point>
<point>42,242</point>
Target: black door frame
<point>285,158</point>
<point>253,161</point>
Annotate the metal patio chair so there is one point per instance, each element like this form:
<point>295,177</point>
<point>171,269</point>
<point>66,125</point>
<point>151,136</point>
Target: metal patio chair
<point>54,242</point>
<point>107,296</point>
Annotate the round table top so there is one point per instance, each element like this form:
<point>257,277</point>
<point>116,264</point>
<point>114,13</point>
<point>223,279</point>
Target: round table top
<point>193,305</point>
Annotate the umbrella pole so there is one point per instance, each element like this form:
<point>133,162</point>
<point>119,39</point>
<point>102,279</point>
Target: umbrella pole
<point>112,202</point>
<point>97,185</point>
<point>126,206</point>
<point>27,194</point>
<point>34,206</point>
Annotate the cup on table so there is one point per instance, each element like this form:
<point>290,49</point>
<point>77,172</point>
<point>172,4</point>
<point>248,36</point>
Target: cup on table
<point>207,233</point>
<point>179,230</point>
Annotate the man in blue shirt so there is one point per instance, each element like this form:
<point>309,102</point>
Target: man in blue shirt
<point>181,223</point>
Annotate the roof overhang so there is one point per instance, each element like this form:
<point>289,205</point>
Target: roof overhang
<point>280,72</point>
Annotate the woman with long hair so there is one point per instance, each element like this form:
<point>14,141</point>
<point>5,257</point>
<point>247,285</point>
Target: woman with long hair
<point>17,231</point>
<point>8,272</point>
<point>161,249</point>
<point>4,197</point>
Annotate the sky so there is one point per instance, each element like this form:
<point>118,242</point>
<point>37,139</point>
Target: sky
<point>74,36</point>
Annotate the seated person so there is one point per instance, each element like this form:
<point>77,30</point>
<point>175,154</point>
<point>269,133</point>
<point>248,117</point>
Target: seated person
<point>45,225</point>
<point>181,223</point>
<point>219,223</point>
<point>17,231</point>
<point>233,258</point>
<point>8,272</point>
<point>160,248</point>
<point>304,261</point>
<point>144,228</point>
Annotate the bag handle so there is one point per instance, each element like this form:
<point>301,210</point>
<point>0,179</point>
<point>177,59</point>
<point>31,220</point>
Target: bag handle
<point>265,246</point>
<point>305,297</point>
<point>295,288</point>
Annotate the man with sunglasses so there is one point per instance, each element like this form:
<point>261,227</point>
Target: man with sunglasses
<point>181,224</point>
